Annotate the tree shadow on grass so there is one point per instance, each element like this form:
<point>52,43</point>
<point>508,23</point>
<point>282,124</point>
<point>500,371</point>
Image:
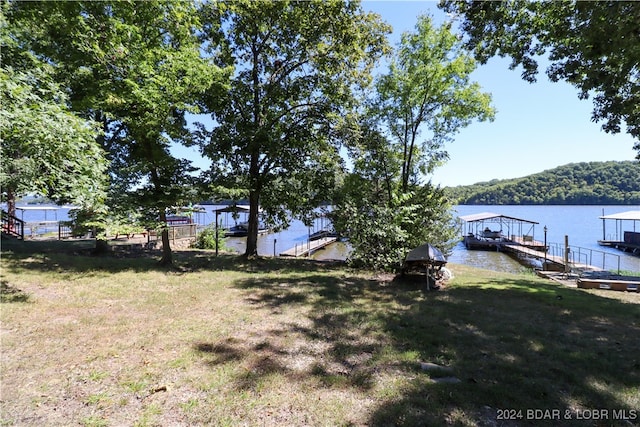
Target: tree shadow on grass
<point>75,257</point>
<point>510,344</point>
<point>518,344</point>
<point>61,262</point>
<point>321,347</point>
<point>11,294</point>
<point>337,344</point>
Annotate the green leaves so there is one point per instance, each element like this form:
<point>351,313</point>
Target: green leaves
<point>382,234</point>
<point>424,99</point>
<point>595,46</point>
<point>46,148</point>
<point>297,64</point>
<point>593,183</point>
<point>428,89</point>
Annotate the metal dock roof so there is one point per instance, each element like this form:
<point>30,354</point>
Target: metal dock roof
<point>626,216</point>
<point>490,215</point>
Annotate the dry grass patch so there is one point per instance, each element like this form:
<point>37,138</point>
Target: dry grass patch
<point>222,341</point>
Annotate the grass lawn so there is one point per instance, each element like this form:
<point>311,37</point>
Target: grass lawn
<point>111,341</point>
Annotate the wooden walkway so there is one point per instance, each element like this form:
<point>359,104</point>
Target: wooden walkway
<point>307,248</point>
<point>521,250</point>
<point>530,243</point>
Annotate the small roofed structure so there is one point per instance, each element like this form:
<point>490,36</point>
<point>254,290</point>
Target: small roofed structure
<point>488,230</point>
<point>624,240</point>
<point>425,259</point>
<point>238,230</point>
<point>232,209</point>
<point>40,227</point>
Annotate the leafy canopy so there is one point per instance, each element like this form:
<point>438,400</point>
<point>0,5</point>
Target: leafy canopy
<point>45,148</point>
<point>137,68</point>
<point>420,104</point>
<point>594,46</point>
<point>297,64</point>
<point>427,96</point>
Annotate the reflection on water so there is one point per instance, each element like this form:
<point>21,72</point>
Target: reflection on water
<point>580,223</point>
<point>490,260</point>
<point>270,246</point>
<point>337,251</point>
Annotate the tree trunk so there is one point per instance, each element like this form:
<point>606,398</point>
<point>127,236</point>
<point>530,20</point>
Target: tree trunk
<point>102,246</point>
<point>252,232</point>
<point>11,208</point>
<point>254,166</point>
<point>167,255</point>
<point>11,202</point>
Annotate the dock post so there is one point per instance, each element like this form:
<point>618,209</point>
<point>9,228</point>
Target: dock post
<point>544,266</point>
<point>566,254</point>
<point>216,233</point>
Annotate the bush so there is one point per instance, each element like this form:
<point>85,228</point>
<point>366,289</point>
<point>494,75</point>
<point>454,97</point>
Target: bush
<point>207,239</point>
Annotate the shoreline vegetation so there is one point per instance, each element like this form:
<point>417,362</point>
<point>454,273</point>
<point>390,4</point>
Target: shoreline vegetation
<point>117,340</point>
<point>587,183</point>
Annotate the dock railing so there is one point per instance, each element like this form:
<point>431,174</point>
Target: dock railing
<point>181,231</point>
<point>12,225</point>
<point>586,257</point>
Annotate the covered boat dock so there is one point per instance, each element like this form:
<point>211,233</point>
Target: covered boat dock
<point>492,231</point>
<point>624,240</point>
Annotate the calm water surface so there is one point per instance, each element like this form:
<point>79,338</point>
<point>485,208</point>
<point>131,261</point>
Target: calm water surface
<point>579,223</point>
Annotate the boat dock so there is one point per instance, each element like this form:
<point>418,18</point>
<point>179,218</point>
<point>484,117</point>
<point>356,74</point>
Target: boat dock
<point>307,248</point>
<point>515,236</point>
<point>626,241</point>
<point>491,231</point>
<point>559,263</point>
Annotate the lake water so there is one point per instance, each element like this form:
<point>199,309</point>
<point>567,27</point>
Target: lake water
<point>580,223</point>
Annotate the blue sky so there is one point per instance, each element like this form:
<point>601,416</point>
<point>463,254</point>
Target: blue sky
<point>537,127</point>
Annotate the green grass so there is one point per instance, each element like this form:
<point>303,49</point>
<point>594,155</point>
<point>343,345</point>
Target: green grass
<point>225,341</point>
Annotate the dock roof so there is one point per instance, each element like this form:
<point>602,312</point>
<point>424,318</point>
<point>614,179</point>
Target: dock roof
<point>627,216</point>
<point>484,216</point>
<point>236,209</point>
<point>37,208</point>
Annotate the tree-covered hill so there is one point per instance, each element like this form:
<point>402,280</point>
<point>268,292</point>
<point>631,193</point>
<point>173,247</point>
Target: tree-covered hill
<point>593,183</point>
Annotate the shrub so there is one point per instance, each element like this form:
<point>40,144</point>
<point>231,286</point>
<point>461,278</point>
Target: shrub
<point>207,239</point>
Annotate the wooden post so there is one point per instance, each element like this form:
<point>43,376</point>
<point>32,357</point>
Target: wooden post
<point>544,266</point>
<point>566,254</point>
<point>217,213</point>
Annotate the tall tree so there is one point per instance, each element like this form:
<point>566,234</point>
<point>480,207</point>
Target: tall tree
<point>594,46</point>
<point>427,96</point>
<point>137,68</point>
<point>45,148</point>
<point>297,65</point>
<point>385,208</point>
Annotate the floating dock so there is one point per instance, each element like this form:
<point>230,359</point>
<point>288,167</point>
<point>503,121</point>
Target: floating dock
<point>610,282</point>
<point>307,248</point>
<point>625,241</point>
<point>491,231</point>
<point>558,261</point>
